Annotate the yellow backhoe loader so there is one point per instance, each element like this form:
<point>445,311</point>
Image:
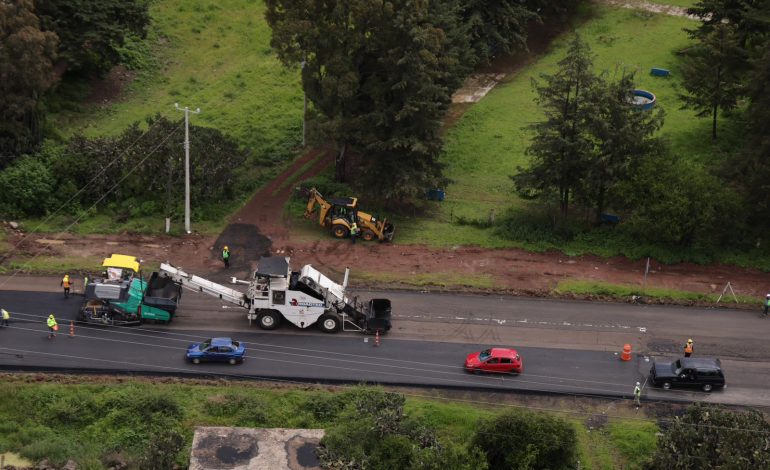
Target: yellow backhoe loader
<point>338,214</point>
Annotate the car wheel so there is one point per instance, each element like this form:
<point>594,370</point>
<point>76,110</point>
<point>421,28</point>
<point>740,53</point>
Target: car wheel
<point>666,385</point>
<point>707,387</point>
<point>268,320</point>
<point>329,323</point>
<point>196,361</point>
<point>233,361</point>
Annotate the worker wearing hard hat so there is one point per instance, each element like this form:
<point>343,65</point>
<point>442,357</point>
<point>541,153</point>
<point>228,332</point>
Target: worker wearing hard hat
<point>688,349</point>
<point>226,256</point>
<point>65,282</point>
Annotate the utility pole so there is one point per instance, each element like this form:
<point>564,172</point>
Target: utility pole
<point>186,163</point>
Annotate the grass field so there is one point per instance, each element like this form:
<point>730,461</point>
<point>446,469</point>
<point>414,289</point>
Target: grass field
<point>489,141</point>
<point>212,55</point>
<point>66,420</point>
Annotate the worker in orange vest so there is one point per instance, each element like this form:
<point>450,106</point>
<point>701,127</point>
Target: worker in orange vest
<point>65,282</point>
<point>688,348</point>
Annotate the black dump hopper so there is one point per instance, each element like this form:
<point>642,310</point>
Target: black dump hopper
<point>162,292</point>
<point>378,315</point>
<point>305,285</point>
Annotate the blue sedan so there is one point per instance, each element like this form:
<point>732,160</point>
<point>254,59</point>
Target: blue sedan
<point>216,350</point>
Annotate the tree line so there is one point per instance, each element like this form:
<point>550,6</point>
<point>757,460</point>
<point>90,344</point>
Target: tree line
<point>380,75</point>
<point>595,150</point>
<point>373,431</point>
<point>42,41</point>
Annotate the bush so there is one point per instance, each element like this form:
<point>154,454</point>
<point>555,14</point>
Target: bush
<point>27,188</point>
<point>526,440</point>
<point>710,436</point>
<point>373,432</point>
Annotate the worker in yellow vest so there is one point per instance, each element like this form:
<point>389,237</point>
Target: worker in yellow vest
<point>65,282</point>
<point>52,326</point>
<point>6,317</point>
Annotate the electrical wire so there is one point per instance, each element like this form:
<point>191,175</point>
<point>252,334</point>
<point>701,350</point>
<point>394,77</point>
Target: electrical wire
<point>67,202</point>
<point>116,185</point>
<point>324,356</point>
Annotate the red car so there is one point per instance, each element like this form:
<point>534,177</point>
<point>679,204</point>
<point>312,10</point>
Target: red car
<point>500,360</point>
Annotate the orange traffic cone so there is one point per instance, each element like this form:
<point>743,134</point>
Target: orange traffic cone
<point>377,338</point>
<point>72,329</point>
<point>626,356</point>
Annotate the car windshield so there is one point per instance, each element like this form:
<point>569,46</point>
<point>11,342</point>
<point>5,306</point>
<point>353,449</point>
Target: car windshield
<point>205,344</point>
<point>484,355</point>
<point>676,367</point>
<point>235,344</point>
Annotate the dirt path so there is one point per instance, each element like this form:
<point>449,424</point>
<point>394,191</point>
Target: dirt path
<point>670,10</point>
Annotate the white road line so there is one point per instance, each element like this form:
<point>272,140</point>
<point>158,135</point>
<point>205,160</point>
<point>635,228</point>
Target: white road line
<point>525,321</point>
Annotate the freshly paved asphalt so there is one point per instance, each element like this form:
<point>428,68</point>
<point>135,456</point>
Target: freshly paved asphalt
<point>404,356</point>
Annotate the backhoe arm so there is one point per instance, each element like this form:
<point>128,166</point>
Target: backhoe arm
<point>316,198</point>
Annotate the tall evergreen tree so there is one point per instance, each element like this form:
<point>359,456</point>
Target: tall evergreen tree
<point>711,74</point>
<point>26,72</point>
<point>747,17</point>
<point>750,168</point>
<point>621,136</point>
<point>560,147</point>
<point>497,26</point>
<point>381,74</point>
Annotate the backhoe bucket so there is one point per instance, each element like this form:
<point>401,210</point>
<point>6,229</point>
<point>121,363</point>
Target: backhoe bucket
<point>388,232</point>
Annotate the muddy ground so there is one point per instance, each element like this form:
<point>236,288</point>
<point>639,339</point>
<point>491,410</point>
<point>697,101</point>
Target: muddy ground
<point>260,229</point>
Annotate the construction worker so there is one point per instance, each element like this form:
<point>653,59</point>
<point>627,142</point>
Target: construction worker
<point>85,283</point>
<point>52,326</point>
<point>688,349</point>
<point>353,232</point>
<point>638,395</point>
<point>5,318</point>
<point>767,304</point>
<point>65,282</point>
<point>226,256</point>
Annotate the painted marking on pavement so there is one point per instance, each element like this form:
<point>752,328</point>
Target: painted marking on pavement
<point>525,321</point>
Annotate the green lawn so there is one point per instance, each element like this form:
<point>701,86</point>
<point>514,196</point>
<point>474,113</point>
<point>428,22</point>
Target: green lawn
<point>676,3</point>
<point>212,55</point>
<point>489,141</point>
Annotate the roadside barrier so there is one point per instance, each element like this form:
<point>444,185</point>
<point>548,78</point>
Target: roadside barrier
<point>626,356</point>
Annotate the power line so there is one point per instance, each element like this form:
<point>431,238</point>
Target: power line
<point>106,193</point>
<point>98,174</point>
<point>324,356</point>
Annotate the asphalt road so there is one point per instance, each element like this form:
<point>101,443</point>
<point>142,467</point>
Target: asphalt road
<point>411,355</point>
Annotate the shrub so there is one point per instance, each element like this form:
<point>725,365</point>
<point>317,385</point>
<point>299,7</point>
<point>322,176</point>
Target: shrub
<point>27,188</point>
<point>528,441</point>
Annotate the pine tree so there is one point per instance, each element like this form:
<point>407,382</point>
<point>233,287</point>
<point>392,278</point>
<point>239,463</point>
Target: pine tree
<point>621,134</point>
<point>711,74</point>
<point>561,148</point>
<point>26,72</point>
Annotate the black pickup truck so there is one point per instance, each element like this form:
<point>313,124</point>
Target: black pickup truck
<point>701,372</point>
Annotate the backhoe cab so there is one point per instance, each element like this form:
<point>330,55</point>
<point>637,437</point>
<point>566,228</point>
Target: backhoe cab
<point>338,214</point>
